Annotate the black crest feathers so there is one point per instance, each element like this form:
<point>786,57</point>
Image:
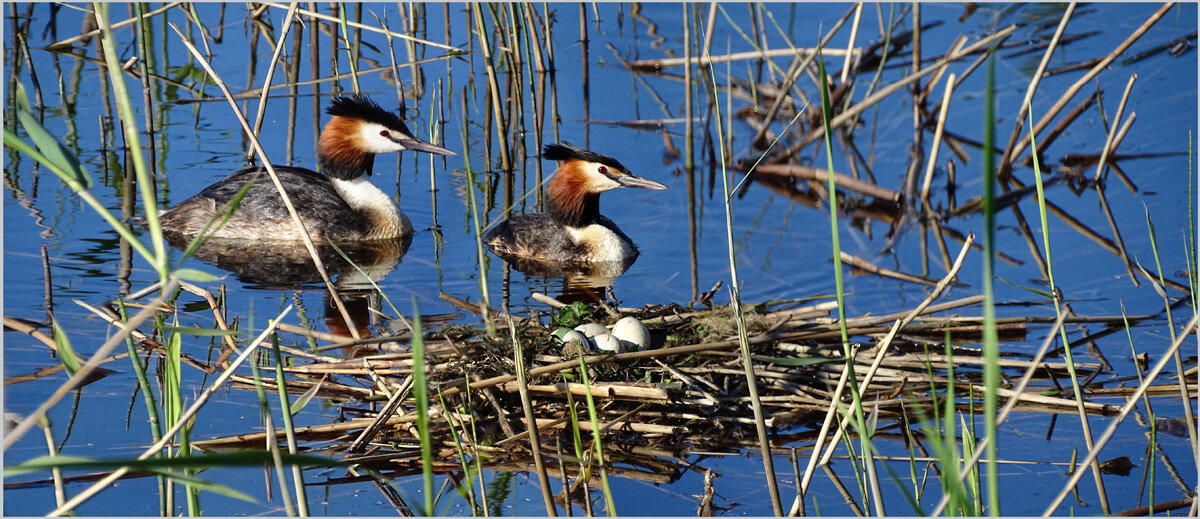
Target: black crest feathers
<point>358,106</point>
<point>568,151</point>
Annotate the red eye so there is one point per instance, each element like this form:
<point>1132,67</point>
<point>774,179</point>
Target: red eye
<point>384,133</point>
<point>603,170</point>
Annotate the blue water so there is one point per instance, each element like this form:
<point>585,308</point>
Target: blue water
<point>782,247</point>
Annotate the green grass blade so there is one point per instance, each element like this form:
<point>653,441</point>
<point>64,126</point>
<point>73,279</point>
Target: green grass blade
<point>991,339</point>
<point>305,398</point>
<point>53,150</point>
<point>609,506</point>
<point>66,354</point>
<point>421,394</point>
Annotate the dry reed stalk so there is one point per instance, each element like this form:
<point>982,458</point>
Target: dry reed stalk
<point>937,141</point>
<point>478,309</point>
<point>218,318</point>
<point>184,418</point>
<point>850,45</point>
<point>1101,65</point>
<point>1062,403</point>
<point>389,409</point>
<point>30,329</point>
<point>86,369</point>
<point>840,119</point>
<point>314,334</point>
<point>262,100</point>
<point>357,25</point>
<point>314,432</point>
<point>1159,390</point>
<point>817,174</point>
<point>1130,403</point>
<point>547,300</point>
<point>1112,130</point>
<point>138,336</point>
<point>866,266</point>
<point>535,445</point>
<point>1044,142</point>
<point>886,342</point>
<point>659,63</point>
<point>287,201</point>
<point>118,25</point>
<point>1120,242</point>
<point>1117,143</point>
<point>1019,122</point>
<point>325,388</point>
<point>937,76</point>
<point>51,370</point>
<point>643,428</point>
<point>609,391</point>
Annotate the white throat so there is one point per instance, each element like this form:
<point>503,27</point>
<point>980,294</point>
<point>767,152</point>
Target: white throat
<point>365,197</point>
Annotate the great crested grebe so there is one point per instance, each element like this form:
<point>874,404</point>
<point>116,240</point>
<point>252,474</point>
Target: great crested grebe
<point>572,230</point>
<point>342,205</point>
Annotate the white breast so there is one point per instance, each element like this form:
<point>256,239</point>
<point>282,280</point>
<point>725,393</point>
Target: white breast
<point>602,243</point>
<point>365,197</point>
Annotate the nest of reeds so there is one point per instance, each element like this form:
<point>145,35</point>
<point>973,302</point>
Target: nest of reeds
<point>686,394</point>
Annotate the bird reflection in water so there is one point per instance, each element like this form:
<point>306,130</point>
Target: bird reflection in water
<point>288,265</point>
<point>581,282</point>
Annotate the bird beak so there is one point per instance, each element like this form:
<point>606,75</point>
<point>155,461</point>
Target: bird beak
<point>636,181</point>
<point>414,144</point>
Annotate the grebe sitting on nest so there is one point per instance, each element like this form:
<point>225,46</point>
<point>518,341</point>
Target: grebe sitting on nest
<point>573,231</point>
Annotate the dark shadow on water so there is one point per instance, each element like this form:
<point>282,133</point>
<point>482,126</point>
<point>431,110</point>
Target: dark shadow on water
<point>583,282</point>
<point>282,266</point>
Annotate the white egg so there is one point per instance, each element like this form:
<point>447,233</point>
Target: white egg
<point>591,329</point>
<point>632,333</point>
<point>572,335</point>
<point>561,332</point>
<point>606,342</point>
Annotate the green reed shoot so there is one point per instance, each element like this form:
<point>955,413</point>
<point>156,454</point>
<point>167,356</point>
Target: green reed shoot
<point>421,394</point>
<point>577,442</point>
<point>1055,296</point>
<point>597,435</point>
<point>264,409</point>
<point>991,339</point>
<point>173,407</point>
<point>1190,248</point>
<point>144,386</point>
<point>856,399</point>
<point>467,489</point>
<point>1189,417</point>
<point>132,137</point>
<point>285,408</point>
<point>735,301</point>
<point>477,231</point>
<point>1151,421</point>
<point>351,49</point>
<point>941,433</point>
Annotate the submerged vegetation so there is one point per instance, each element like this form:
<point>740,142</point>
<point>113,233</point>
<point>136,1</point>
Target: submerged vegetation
<point>905,408</point>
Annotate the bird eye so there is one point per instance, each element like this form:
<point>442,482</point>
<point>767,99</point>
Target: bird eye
<point>384,133</point>
<point>603,170</point>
